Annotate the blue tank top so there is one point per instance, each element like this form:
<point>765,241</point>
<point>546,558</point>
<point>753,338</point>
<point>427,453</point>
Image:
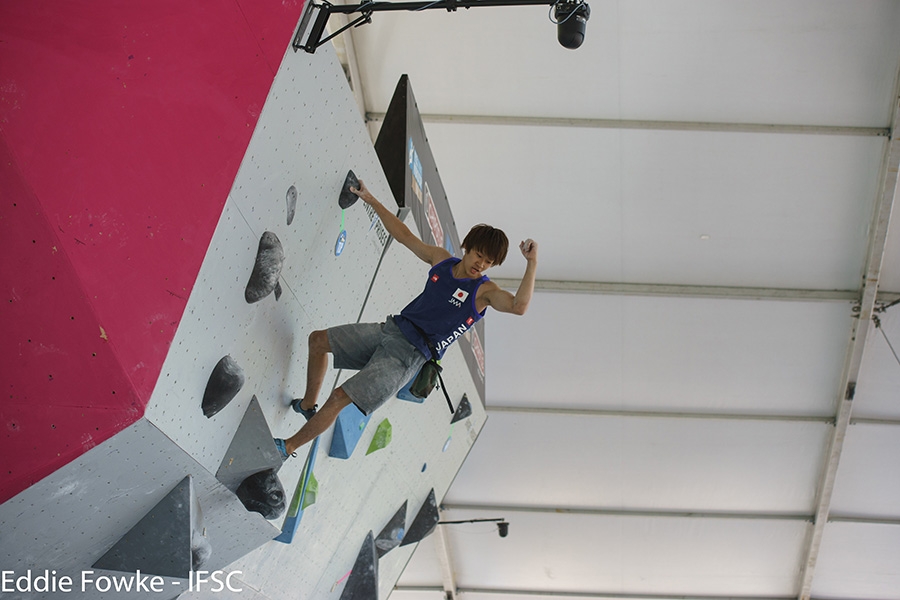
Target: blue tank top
<point>444,310</point>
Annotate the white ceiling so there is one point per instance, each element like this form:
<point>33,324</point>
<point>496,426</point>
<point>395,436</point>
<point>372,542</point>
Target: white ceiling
<point>704,175</point>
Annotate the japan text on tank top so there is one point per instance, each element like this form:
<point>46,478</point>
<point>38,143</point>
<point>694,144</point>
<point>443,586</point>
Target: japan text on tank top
<point>444,310</point>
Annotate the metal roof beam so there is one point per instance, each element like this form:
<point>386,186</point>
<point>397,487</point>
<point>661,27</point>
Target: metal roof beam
<point>658,414</point>
<point>693,291</point>
<point>570,594</point>
<point>619,512</point>
<point>861,328</point>
<point>599,412</point>
<point>648,125</point>
<point>667,514</point>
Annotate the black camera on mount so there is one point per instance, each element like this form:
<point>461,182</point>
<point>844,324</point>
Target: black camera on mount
<point>571,18</point>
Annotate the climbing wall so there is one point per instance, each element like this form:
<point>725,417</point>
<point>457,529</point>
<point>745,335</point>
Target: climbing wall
<point>122,126</point>
<point>332,266</point>
<point>364,492</point>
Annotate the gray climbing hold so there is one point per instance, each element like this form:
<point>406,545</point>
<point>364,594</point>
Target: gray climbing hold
<point>424,523</point>
<point>160,543</point>
<point>291,198</point>
<point>463,410</point>
<point>224,383</point>
<point>251,450</point>
<point>266,270</point>
<point>363,581</point>
<point>348,198</point>
<point>392,534</point>
<point>262,492</point>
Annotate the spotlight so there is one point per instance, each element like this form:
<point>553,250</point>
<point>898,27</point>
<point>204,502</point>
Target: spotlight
<point>503,529</point>
<point>571,21</point>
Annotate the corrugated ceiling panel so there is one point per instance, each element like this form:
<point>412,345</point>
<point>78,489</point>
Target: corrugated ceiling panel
<point>609,462</point>
<point>868,482</point>
<point>807,62</point>
<point>733,209</point>
<point>631,555</point>
<point>672,354</point>
<point>858,561</point>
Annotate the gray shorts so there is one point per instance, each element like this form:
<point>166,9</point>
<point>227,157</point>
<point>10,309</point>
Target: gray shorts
<point>385,359</point>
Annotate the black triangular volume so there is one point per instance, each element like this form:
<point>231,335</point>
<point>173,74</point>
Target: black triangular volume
<point>424,523</point>
<point>391,144</point>
<point>363,581</point>
<point>463,410</point>
<point>392,534</point>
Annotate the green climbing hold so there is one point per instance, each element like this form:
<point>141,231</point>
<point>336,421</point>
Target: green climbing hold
<point>312,490</point>
<point>382,437</point>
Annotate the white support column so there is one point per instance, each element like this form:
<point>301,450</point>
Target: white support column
<point>445,556</point>
<point>858,336</point>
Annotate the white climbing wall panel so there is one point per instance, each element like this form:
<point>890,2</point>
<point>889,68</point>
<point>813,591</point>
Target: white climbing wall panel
<point>308,136</point>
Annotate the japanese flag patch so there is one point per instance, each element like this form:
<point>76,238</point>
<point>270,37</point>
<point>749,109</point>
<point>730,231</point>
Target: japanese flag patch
<point>460,295</point>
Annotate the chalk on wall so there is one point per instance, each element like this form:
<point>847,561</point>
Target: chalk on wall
<point>424,523</point>
<point>224,383</point>
<point>251,450</point>
<point>392,534</point>
<point>363,581</point>
<point>201,549</point>
<point>267,268</point>
<point>463,410</point>
<point>262,492</point>
<point>160,543</point>
<point>347,430</point>
<point>381,438</point>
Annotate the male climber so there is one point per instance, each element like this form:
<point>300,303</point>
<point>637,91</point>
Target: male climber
<point>388,355</point>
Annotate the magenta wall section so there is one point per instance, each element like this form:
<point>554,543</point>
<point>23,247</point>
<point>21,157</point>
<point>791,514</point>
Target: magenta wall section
<point>122,126</point>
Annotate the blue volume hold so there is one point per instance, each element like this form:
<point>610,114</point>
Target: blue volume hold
<point>405,394</point>
<point>347,430</point>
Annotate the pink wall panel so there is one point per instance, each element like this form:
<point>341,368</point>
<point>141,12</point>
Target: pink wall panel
<point>123,125</point>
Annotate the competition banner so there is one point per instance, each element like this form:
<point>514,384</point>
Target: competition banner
<point>408,164</point>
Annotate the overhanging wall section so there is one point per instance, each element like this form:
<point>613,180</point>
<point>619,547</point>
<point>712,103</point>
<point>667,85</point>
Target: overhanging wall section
<point>122,127</point>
